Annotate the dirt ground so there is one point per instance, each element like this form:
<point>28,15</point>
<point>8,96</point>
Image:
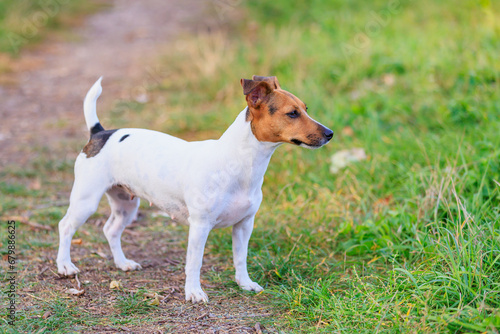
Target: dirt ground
<point>158,250</point>
<point>49,82</point>
<point>41,106</point>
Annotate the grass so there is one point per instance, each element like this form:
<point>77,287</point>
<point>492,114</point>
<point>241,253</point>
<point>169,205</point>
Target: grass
<point>133,304</point>
<point>407,240</point>
<point>27,22</point>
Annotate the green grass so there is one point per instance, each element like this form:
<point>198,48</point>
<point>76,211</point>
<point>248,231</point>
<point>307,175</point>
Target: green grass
<point>405,241</point>
<point>70,317</point>
<point>24,22</point>
<point>65,316</point>
<point>133,303</point>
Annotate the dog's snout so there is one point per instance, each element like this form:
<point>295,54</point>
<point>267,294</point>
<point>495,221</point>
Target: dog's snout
<point>328,134</point>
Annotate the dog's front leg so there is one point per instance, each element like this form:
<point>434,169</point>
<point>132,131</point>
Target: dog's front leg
<point>241,236</point>
<point>198,234</point>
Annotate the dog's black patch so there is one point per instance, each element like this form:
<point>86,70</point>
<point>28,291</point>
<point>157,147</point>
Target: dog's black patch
<point>272,109</point>
<point>296,142</point>
<point>97,142</point>
<point>96,129</point>
<point>123,138</point>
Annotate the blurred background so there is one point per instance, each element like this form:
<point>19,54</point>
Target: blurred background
<point>392,226</point>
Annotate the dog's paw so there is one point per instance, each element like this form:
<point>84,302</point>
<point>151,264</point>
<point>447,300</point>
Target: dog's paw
<point>67,269</point>
<point>129,265</point>
<point>251,286</point>
<point>196,295</point>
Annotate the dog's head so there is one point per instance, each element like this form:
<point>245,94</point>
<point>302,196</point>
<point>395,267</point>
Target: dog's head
<point>279,116</point>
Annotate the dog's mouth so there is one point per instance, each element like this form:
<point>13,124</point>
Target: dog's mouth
<point>301,143</point>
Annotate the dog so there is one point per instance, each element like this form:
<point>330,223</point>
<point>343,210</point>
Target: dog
<point>205,184</point>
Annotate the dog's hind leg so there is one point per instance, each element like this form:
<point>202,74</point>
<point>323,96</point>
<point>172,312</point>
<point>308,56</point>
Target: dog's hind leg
<point>123,211</point>
<point>84,200</point>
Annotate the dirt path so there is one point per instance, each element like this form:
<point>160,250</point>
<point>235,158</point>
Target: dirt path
<point>119,43</point>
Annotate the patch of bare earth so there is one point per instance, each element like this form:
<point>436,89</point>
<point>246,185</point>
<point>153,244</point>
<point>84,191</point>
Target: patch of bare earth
<point>158,250</point>
<point>41,107</point>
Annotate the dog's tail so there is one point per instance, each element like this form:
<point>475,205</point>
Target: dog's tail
<point>89,108</point>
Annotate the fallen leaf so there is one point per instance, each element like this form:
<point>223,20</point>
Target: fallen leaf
<point>75,292</point>
<point>46,315</point>
<point>154,302</point>
<point>76,241</point>
<point>116,285</point>
<point>344,158</point>
<point>156,298</point>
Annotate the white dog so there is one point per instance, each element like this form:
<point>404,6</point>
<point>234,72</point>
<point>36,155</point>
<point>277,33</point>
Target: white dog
<point>206,184</point>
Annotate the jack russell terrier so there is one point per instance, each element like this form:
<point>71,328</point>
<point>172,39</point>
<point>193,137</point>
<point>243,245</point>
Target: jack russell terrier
<point>205,184</point>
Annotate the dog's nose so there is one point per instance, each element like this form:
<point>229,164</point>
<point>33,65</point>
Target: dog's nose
<point>328,134</point>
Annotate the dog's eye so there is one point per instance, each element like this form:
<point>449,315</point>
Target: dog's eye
<point>293,114</point>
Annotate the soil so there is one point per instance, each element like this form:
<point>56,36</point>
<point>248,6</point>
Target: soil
<point>228,310</point>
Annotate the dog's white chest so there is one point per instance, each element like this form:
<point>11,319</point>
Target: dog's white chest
<point>239,206</point>
<point>225,209</point>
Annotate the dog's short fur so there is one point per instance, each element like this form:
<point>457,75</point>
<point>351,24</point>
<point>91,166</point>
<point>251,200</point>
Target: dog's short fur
<point>205,184</point>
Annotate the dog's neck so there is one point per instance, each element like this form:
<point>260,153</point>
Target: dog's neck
<point>244,149</point>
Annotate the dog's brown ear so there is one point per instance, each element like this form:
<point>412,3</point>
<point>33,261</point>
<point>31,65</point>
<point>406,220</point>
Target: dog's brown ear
<point>255,91</point>
<point>248,85</point>
<point>272,81</point>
